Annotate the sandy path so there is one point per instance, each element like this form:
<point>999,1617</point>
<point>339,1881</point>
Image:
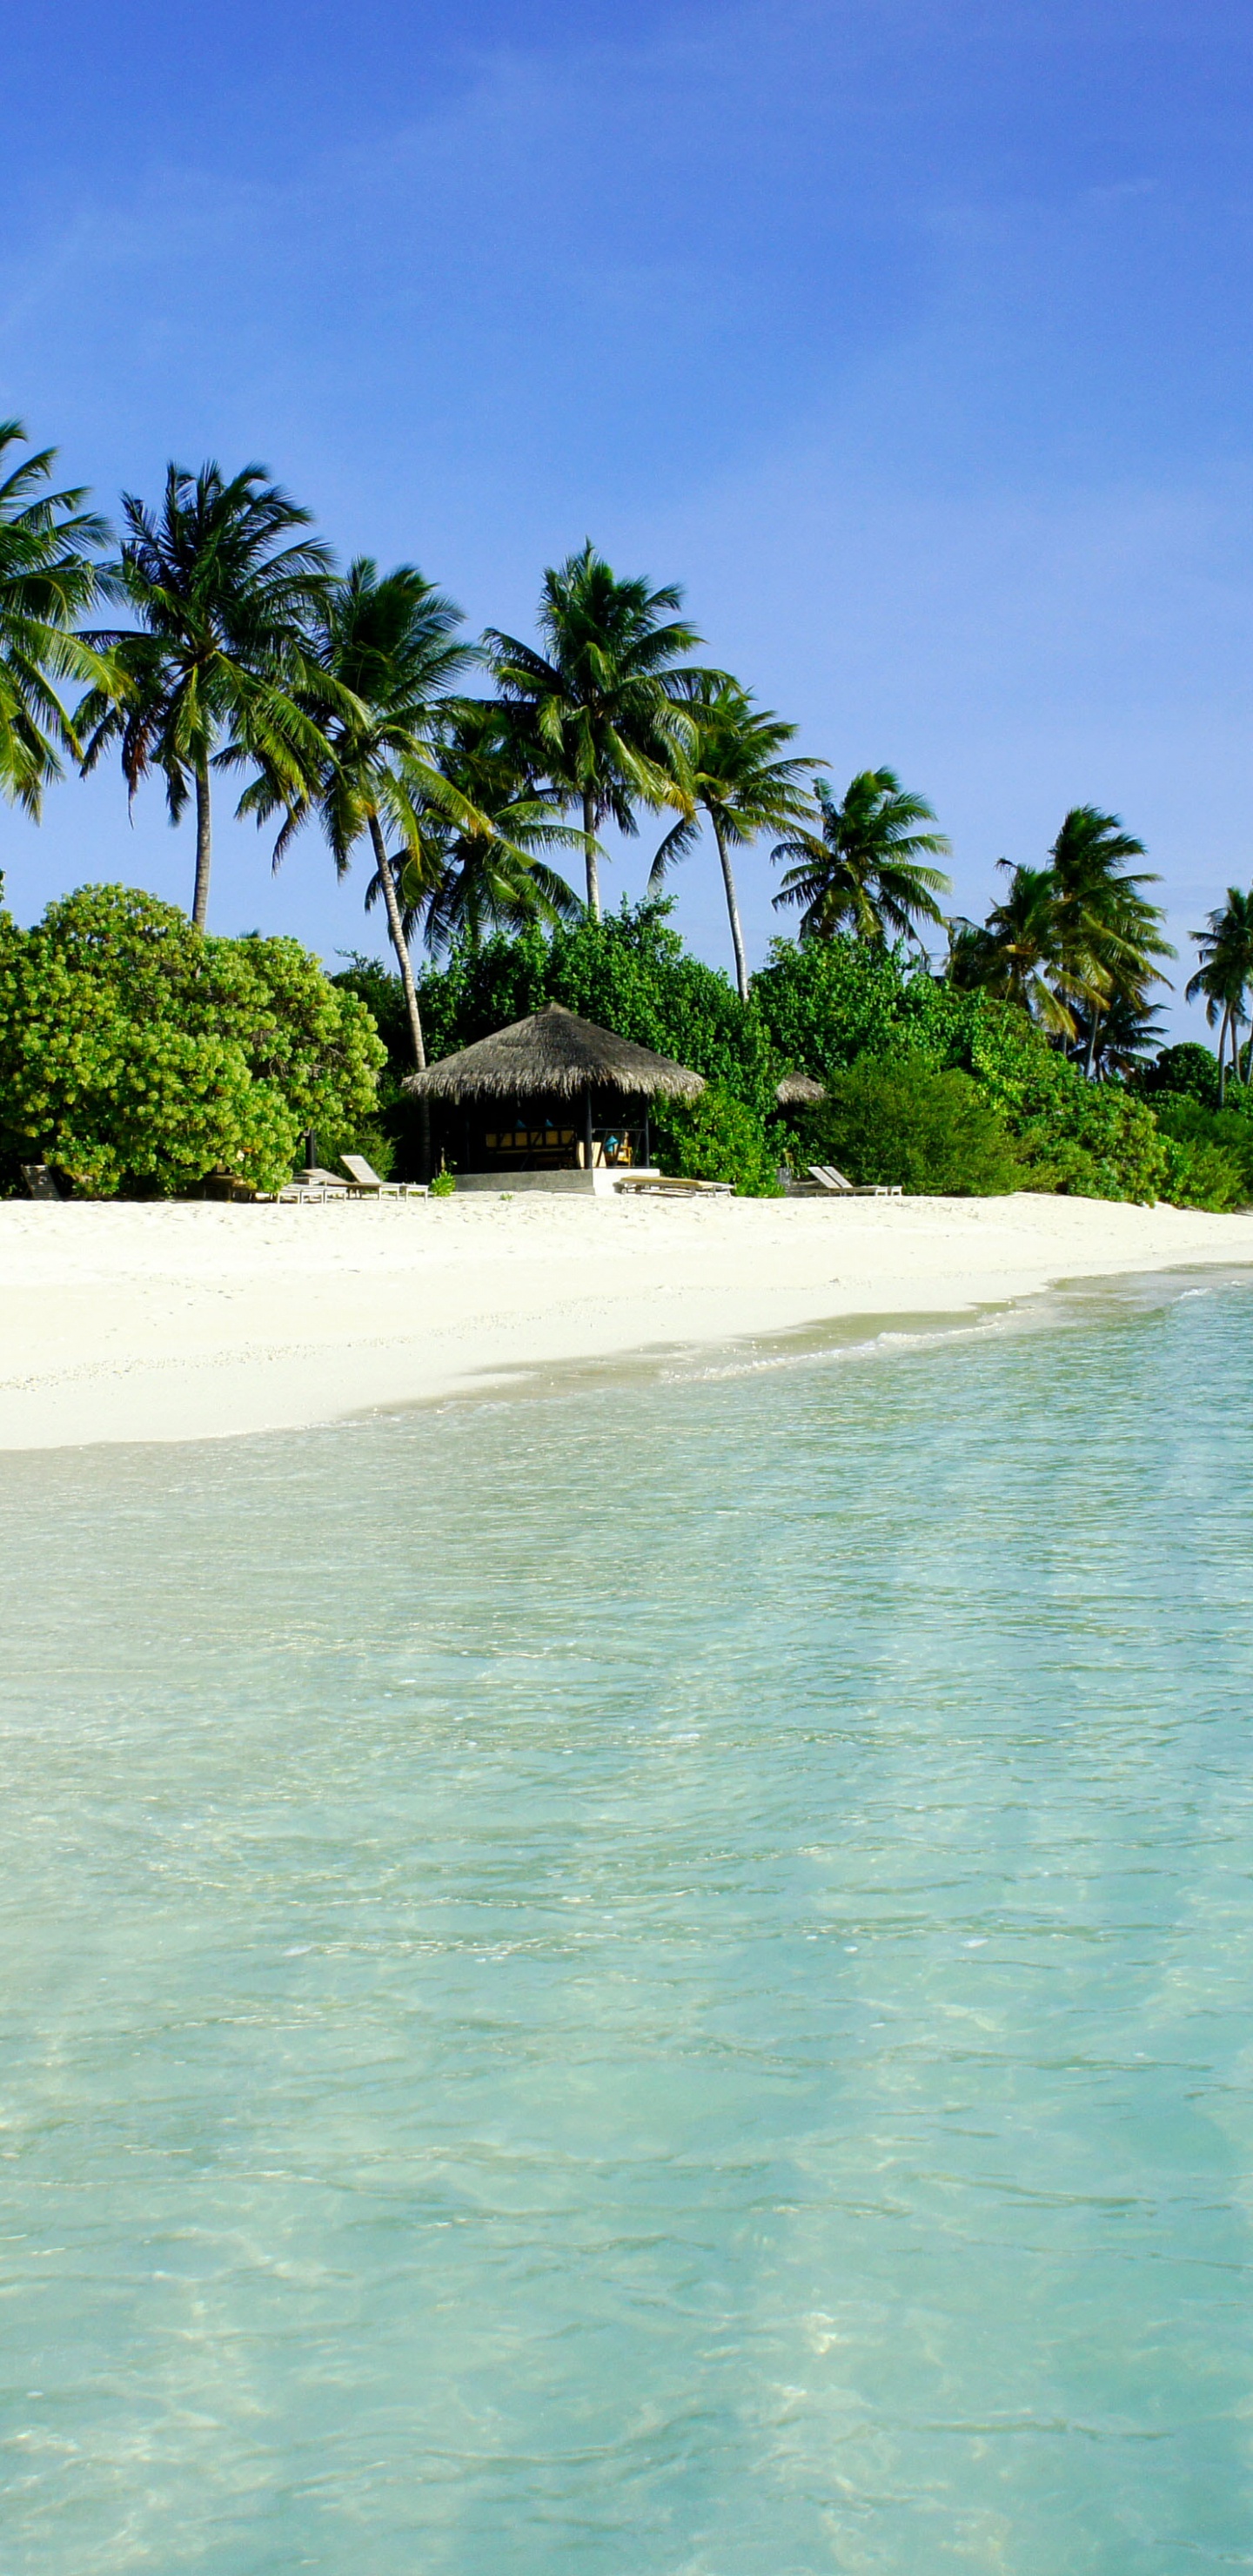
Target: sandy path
<point>184,1321</point>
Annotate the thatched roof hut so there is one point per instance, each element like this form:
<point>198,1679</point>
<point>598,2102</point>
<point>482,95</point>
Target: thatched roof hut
<point>799,1091</point>
<point>554,1055</point>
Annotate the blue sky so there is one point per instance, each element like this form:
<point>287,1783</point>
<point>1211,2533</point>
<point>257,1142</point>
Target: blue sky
<point>912,339</point>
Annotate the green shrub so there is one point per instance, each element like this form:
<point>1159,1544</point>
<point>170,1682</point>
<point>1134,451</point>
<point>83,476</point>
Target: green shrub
<point>136,1055</point>
<point>931,1131</point>
<point>716,1138</point>
<point>1092,1140</point>
<point>1187,1068</point>
<point>443,1186</point>
<point>1194,1133</point>
<point>1200,1175</point>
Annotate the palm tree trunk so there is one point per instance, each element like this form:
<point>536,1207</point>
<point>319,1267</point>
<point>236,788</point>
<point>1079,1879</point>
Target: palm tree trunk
<point>204,845</point>
<point>733,913</point>
<point>401,945</point>
<point>1222,1056</point>
<point>589,849</point>
<point>1090,1058</point>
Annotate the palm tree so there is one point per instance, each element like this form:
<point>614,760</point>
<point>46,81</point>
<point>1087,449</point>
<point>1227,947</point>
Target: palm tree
<point>599,711</point>
<point>1224,975</point>
<point>47,580</point>
<point>212,676</point>
<point>1109,934</point>
<point>469,881</point>
<point>1013,953</point>
<point>1128,1030</point>
<point>866,873</point>
<point>736,776</point>
<point>1016,954</point>
<point>384,652</point>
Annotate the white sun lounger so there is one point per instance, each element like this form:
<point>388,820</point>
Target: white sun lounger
<point>364,1182</point>
<point>671,1185</point>
<point>836,1187</point>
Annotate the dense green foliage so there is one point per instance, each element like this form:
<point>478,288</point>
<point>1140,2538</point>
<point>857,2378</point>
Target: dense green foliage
<point>927,1130</point>
<point>820,1008</point>
<point>717,1138</point>
<point>631,973</point>
<point>1187,1068</point>
<point>137,1055</point>
<point>827,1004</point>
<point>1211,1150</point>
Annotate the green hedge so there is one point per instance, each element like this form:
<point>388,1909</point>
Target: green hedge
<point>924,1129</point>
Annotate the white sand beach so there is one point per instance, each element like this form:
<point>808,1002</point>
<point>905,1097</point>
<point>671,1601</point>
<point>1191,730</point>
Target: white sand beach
<point>192,1321</point>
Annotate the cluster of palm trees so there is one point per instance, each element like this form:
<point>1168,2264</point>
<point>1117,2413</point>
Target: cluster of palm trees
<point>348,700</point>
<point>1224,981</point>
<point>1076,943</point>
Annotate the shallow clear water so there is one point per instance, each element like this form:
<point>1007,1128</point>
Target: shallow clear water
<point>649,1982</point>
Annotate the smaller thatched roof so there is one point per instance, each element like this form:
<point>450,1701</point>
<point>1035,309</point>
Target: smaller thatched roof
<point>799,1091</point>
<point>553,1055</point>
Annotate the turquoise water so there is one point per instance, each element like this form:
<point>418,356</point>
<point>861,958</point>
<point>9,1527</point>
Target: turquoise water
<point>648,1981</point>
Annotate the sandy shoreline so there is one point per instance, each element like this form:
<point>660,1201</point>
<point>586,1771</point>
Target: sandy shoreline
<point>191,1321</point>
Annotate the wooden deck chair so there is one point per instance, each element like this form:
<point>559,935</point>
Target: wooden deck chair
<point>364,1182</point>
<point>39,1182</point>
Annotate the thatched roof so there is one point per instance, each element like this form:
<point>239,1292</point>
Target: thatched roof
<point>799,1091</point>
<point>553,1055</point>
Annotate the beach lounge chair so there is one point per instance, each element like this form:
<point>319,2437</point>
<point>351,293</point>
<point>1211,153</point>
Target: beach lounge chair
<point>836,1187</point>
<point>669,1185</point>
<point>39,1182</point>
<point>364,1182</point>
<point>313,1184</point>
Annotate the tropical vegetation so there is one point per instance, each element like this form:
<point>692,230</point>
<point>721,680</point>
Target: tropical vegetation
<point>48,580</point>
<point>212,674</point>
<point>137,1056</point>
<point>866,871</point>
<point>1224,977</point>
<point>737,776</point>
<point>601,714</point>
<point>137,1052</point>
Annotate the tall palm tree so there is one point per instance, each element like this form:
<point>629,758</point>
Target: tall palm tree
<point>736,777</point>
<point>1224,976</point>
<point>866,873</point>
<point>1109,934</point>
<point>212,675</point>
<point>1017,953</point>
<point>384,652</point>
<point>600,709</point>
<point>47,581</point>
